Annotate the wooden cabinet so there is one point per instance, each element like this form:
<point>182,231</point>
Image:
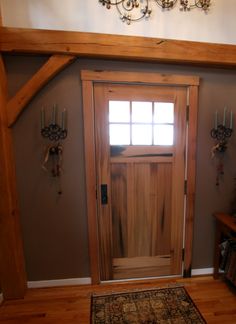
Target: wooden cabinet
<point>225,227</point>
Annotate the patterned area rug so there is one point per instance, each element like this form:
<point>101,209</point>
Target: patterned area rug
<point>165,305</point>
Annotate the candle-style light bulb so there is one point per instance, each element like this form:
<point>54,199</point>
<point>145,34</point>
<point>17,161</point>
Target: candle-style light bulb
<point>216,119</point>
<point>42,118</point>
<point>54,115</point>
<point>231,120</point>
<point>63,120</point>
<point>224,118</point>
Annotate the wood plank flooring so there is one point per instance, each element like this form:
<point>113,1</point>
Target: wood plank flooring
<point>71,305</point>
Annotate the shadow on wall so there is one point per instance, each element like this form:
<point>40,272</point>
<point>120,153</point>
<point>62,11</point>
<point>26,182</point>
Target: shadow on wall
<point>54,16</point>
<point>23,13</point>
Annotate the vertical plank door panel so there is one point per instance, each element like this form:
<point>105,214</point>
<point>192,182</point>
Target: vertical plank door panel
<point>119,209</point>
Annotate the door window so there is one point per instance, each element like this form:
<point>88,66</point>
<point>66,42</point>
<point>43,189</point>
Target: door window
<point>141,123</point>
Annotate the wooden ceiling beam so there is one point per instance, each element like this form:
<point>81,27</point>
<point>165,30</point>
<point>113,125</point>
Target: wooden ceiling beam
<point>20,40</point>
<point>52,67</point>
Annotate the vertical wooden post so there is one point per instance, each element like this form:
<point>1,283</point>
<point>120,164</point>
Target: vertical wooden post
<point>0,15</point>
<point>12,269</point>
<point>0,27</point>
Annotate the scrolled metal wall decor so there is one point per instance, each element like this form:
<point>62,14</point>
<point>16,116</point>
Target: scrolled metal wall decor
<point>221,134</point>
<point>134,10</point>
<point>54,132</point>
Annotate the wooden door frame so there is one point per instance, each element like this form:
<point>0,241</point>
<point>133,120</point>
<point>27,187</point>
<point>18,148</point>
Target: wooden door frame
<point>88,79</point>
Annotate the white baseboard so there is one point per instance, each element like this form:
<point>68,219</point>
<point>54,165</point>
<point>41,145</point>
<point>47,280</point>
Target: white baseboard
<point>1,298</point>
<point>87,281</point>
<point>204,271</point>
<point>59,282</point>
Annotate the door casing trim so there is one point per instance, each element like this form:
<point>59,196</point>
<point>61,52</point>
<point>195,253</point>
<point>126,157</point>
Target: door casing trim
<point>89,77</point>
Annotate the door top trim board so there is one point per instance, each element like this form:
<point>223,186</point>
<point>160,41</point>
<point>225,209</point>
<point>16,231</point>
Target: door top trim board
<point>134,77</point>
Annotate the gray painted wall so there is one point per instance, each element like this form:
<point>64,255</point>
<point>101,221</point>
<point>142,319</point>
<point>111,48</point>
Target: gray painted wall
<point>55,227</point>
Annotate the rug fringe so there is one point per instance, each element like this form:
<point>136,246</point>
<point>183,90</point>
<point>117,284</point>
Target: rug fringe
<point>113,292</point>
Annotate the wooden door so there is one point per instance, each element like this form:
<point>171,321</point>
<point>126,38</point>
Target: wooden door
<point>140,137</point>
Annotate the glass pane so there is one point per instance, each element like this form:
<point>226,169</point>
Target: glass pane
<point>163,112</point>
<point>119,111</point>
<point>163,134</point>
<point>141,112</point>
<point>142,134</point>
<point>119,134</point>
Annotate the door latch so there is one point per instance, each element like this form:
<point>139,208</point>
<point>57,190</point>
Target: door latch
<point>104,198</point>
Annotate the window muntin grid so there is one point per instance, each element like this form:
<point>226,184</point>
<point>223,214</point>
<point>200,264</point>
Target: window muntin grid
<point>141,123</point>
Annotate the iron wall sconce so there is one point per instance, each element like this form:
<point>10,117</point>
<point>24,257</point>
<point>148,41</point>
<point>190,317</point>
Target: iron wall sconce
<point>54,133</point>
<point>221,134</point>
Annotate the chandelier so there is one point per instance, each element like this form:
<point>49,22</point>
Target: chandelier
<point>134,10</point>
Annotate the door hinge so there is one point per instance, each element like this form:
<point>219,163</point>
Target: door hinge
<point>185,187</point>
<point>183,254</point>
<point>187,113</point>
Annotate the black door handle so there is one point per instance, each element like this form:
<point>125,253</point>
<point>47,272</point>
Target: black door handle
<point>104,198</point>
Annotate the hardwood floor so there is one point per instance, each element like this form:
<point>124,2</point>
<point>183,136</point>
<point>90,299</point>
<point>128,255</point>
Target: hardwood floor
<point>63,305</point>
